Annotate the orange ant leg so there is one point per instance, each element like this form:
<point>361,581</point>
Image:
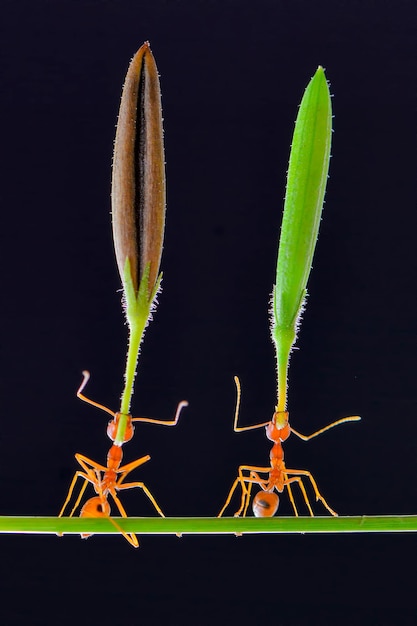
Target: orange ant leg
<point>297,479</point>
<point>145,489</point>
<point>113,430</point>
<point>238,481</point>
<point>173,422</point>
<point>130,537</point>
<point>124,471</point>
<point>87,480</point>
<point>273,499</point>
<point>290,495</point>
<point>315,488</point>
<point>86,378</point>
<point>229,497</point>
<point>236,428</point>
<point>90,475</point>
<point>242,480</point>
<point>129,467</point>
<point>70,491</point>
<point>254,479</point>
<point>246,486</point>
<point>265,486</point>
<point>248,496</point>
<point>352,418</point>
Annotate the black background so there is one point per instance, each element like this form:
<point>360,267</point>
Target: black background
<point>232,75</point>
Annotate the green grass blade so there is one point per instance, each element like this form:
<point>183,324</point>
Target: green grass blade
<point>306,184</point>
<point>201,525</point>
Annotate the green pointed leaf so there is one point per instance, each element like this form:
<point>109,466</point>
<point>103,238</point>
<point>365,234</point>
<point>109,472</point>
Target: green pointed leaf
<point>306,184</point>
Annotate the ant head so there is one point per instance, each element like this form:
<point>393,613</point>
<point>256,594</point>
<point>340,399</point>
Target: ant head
<point>278,429</point>
<point>113,425</point>
<point>265,504</point>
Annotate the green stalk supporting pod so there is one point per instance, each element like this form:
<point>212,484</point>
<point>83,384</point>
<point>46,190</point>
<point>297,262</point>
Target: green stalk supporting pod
<point>306,185</point>
<point>138,205</point>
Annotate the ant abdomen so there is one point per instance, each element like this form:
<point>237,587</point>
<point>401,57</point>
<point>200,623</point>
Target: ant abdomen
<point>265,504</point>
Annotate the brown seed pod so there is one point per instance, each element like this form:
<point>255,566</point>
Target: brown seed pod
<point>138,184</point>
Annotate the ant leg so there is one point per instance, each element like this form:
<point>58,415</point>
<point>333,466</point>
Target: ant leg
<point>130,537</point>
<point>80,495</point>
<point>245,497</point>
<point>298,480</point>
<point>314,485</point>
<point>92,475</point>
<point>291,498</point>
<point>247,482</point>
<point>88,475</point>
<point>248,495</point>
<point>82,397</point>
<point>129,467</point>
<point>242,480</point>
<point>88,464</point>
<point>352,418</point>
<point>70,492</point>
<point>229,497</point>
<point>173,422</point>
<point>144,488</point>
<point>236,428</point>
<point>125,470</point>
<point>263,483</point>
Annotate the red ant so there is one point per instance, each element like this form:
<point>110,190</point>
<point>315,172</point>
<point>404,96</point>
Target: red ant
<point>278,476</point>
<point>109,479</point>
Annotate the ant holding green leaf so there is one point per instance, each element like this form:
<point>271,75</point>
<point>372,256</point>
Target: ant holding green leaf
<point>306,184</point>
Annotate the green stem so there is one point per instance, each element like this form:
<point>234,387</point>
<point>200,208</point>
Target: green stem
<point>283,339</point>
<point>138,305</point>
<point>136,330</point>
<point>201,525</point>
